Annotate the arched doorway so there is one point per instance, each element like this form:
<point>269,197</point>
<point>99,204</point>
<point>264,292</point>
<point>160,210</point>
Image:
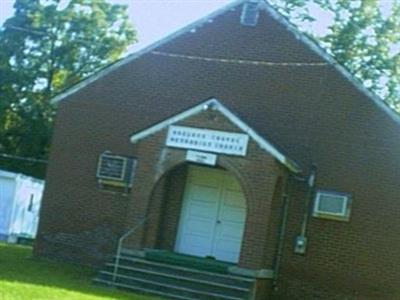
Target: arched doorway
<point>213,215</point>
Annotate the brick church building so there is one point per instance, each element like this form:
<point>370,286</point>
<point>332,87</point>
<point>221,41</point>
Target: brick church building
<point>233,159</point>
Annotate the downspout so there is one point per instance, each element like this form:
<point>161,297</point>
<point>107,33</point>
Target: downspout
<point>301,240</point>
<point>285,200</point>
<point>311,184</point>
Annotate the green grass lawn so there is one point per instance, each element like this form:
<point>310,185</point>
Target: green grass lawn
<point>25,278</point>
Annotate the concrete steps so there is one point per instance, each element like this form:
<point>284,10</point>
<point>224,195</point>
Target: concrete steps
<point>174,282</point>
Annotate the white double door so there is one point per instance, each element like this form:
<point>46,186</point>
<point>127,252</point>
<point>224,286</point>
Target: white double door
<point>213,215</point>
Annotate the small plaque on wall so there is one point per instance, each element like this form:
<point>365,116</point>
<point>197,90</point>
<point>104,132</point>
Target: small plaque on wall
<point>201,157</point>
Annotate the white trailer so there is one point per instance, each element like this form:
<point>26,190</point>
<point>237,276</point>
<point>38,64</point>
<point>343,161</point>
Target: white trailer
<point>20,199</point>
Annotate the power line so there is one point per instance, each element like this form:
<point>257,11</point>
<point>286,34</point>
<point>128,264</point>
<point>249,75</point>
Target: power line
<point>241,61</point>
<point>35,160</point>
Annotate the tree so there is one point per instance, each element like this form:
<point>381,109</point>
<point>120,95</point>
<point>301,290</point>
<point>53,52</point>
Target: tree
<point>364,37</point>
<point>47,46</point>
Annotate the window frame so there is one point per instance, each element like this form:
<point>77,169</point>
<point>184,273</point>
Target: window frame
<point>346,206</point>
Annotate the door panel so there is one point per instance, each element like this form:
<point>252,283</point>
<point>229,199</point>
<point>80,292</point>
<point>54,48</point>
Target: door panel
<point>227,250</point>
<point>231,221</point>
<point>233,208</point>
<point>199,214</point>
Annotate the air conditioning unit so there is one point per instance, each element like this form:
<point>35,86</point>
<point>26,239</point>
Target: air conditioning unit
<point>332,205</point>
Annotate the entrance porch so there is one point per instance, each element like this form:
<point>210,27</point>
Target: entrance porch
<point>206,186</point>
<point>192,242</point>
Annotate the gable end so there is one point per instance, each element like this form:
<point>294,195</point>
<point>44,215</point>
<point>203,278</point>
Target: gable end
<point>216,105</point>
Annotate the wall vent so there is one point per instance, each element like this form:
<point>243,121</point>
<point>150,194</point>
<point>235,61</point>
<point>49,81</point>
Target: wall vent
<point>250,13</point>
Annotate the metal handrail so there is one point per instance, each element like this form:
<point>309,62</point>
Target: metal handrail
<point>120,243</point>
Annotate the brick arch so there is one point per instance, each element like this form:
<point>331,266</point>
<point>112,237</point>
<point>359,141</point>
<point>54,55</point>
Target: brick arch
<point>224,162</point>
<point>161,233</point>
<point>166,183</point>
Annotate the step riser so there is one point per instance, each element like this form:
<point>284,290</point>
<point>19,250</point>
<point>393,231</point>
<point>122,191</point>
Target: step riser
<point>189,274</point>
<point>174,282</point>
<point>181,278</point>
<point>169,290</point>
<point>180,283</point>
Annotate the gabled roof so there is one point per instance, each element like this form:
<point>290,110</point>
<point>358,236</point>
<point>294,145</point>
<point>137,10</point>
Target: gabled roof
<point>216,105</point>
<point>262,6</point>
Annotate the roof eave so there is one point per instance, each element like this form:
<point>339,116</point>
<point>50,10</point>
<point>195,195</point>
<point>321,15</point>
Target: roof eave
<point>218,106</point>
<point>327,57</point>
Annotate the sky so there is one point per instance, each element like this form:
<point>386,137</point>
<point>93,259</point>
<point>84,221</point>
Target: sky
<point>152,19</point>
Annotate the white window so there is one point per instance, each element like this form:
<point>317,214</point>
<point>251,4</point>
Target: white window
<point>332,205</point>
<point>250,13</point>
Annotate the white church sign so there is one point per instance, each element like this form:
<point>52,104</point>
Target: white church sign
<point>203,158</point>
<point>207,140</point>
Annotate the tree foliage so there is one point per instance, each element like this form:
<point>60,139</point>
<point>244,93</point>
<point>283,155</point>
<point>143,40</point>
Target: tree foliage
<point>47,46</point>
<point>364,37</point>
